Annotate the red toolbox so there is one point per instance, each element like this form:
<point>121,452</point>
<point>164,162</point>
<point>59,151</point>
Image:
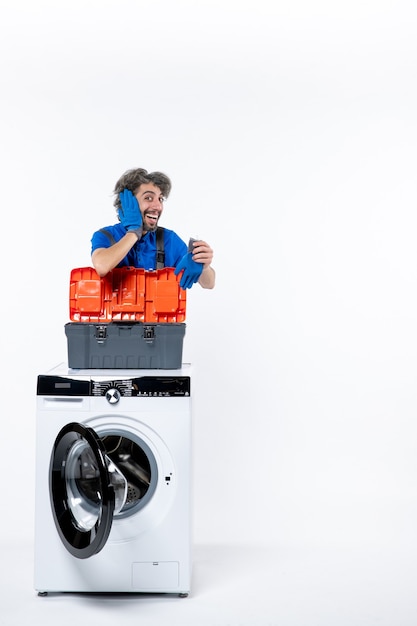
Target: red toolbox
<point>126,294</point>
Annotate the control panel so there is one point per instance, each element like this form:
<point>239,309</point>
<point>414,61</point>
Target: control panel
<point>137,386</point>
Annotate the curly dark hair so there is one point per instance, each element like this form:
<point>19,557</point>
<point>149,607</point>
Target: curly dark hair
<point>132,179</point>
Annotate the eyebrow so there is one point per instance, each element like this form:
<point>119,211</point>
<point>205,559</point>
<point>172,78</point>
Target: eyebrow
<point>153,193</point>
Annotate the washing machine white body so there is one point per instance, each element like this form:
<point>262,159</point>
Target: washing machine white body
<point>146,544</point>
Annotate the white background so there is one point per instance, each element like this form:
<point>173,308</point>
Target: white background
<point>289,131</point>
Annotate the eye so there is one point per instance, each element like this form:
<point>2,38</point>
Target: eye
<point>150,198</point>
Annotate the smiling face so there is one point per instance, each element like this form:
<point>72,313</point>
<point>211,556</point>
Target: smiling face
<point>151,203</point>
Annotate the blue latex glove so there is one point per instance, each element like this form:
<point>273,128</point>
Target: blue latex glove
<point>192,271</point>
<point>129,213</point>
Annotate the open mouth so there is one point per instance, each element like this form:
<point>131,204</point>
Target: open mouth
<point>151,221</point>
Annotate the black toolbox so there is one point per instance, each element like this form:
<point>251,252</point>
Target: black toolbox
<point>121,345</point>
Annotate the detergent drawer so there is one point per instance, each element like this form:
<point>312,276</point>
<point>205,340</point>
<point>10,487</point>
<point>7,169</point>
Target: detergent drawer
<point>124,345</point>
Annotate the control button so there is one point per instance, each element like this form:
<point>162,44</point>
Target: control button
<point>113,395</point>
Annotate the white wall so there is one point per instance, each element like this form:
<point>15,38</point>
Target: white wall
<point>289,130</point>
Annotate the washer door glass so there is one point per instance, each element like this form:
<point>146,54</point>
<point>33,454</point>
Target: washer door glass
<point>86,490</point>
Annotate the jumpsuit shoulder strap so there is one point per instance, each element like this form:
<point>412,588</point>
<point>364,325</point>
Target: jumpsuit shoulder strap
<point>160,251</point>
<point>108,235</point>
<point>160,245</point>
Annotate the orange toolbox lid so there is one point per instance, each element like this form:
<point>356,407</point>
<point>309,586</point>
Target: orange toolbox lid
<point>126,294</point>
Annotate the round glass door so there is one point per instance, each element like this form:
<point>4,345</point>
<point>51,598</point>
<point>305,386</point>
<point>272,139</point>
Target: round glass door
<point>86,490</point>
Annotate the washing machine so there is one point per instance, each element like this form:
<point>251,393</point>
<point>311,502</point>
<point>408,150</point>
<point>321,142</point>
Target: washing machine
<point>113,481</point>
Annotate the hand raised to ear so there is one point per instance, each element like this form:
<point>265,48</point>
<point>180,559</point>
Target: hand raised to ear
<point>129,213</point>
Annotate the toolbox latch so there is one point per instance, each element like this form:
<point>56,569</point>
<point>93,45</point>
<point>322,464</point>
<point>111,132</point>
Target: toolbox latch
<point>101,334</point>
<point>149,333</point>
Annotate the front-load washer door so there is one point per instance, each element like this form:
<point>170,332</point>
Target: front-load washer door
<point>81,490</point>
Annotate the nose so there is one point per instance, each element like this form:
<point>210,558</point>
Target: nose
<point>156,205</point>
